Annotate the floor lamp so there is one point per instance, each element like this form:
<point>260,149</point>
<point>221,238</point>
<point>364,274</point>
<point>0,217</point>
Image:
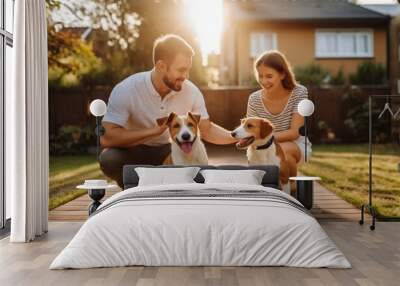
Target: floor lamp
<point>305,184</point>
<point>96,188</point>
<point>305,109</point>
<point>98,108</point>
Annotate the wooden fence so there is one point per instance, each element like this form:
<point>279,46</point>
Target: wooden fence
<point>225,106</point>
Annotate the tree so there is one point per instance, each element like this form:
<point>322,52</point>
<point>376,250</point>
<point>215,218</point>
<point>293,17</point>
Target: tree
<point>131,28</point>
<point>68,55</point>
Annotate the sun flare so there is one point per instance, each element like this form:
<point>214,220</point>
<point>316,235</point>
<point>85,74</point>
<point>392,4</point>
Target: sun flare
<point>206,17</point>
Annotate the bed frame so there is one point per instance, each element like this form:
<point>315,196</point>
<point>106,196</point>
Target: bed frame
<point>270,179</point>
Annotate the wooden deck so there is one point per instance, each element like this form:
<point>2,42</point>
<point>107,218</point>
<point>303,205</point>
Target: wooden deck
<point>374,256</point>
<point>327,206</point>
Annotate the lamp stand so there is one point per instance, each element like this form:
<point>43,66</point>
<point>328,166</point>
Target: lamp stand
<point>99,132</point>
<point>305,139</point>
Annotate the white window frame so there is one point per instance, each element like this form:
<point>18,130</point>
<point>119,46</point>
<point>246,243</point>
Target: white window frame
<point>338,34</point>
<point>253,34</point>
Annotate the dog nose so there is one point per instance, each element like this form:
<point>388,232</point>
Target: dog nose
<point>185,136</point>
<point>233,134</point>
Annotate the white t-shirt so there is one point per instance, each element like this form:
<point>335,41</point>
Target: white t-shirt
<point>135,104</point>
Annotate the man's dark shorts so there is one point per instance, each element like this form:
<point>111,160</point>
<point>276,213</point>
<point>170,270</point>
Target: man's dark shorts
<point>112,160</point>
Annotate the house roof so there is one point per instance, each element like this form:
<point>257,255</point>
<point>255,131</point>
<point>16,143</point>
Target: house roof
<point>300,10</point>
<point>387,9</point>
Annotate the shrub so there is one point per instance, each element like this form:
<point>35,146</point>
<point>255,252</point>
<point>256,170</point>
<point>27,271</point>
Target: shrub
<point>312,74</point>
<point>369,72</point>
<point>338,79</point>
<point>357,118</point>
<point>72,140</point>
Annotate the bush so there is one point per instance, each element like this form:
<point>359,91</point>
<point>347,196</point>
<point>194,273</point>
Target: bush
<point>101,75</point>
<point>357,118</point>
<point>367,73</point>
<point>72,140</point>
<point>312,74</point>
<point>338,79</point>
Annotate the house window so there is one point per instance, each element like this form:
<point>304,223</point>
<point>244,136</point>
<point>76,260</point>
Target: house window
<point>261,42</point>
<point>344,44</point>
<point>6,64</point>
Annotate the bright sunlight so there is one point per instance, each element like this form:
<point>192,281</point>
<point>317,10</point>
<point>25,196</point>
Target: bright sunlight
<point>206,17</point>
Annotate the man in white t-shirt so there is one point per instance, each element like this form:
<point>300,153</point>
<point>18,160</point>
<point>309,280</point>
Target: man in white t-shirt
<point>132,135</point>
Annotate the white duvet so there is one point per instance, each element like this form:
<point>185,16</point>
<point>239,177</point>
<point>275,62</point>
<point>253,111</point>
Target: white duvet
<point>183,231</point>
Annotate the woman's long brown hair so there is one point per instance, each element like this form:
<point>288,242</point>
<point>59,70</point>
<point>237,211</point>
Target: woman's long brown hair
<point>277,61</point>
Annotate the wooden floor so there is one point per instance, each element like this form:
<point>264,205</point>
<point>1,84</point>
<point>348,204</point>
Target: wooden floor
<point>327,206</point>
<point>374,255</point>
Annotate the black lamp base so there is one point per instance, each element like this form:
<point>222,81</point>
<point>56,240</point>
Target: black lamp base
<point>96,195</point>
<point>305,193</point>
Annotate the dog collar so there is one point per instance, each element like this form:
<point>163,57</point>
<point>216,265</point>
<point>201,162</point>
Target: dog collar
<point>266,145</point>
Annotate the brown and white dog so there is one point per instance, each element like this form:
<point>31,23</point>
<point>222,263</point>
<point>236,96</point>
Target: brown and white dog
<point>257,135</point>
<point>186,145</point>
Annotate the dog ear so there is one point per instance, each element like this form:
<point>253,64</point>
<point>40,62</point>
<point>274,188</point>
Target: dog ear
<point>265,128</point>
<point>161,121</point>
<point>195,117</point>
<point>166,120</point>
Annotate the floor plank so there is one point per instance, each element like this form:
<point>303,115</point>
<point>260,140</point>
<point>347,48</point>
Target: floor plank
<point>375,259</point>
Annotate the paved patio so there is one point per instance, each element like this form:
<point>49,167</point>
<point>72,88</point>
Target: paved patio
<point>327,206</point>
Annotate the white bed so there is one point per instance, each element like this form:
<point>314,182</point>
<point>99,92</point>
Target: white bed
<point>249,226</point>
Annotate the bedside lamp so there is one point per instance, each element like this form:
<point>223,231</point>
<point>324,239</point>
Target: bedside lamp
<point>98,108</point>
<point>305,109</point>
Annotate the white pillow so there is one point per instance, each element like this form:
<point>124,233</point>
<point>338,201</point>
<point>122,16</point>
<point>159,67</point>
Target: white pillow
<point>163,176</point>
<point>249,177</point>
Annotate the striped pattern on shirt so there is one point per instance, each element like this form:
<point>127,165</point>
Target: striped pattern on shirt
<point>281,121</point>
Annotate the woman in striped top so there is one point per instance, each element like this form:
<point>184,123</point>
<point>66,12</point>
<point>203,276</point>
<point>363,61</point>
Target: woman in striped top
<point>277,101</point>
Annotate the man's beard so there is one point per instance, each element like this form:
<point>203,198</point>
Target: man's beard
<point>170,84</point>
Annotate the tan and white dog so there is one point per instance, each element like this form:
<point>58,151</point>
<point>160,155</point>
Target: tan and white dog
<point>186,145</point>
<point>257,135</point>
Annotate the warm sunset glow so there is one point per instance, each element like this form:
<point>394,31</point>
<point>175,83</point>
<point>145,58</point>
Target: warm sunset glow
<point>206,18</point>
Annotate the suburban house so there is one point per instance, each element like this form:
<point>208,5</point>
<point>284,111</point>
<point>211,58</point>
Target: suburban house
<point>392,10</point>
<point>331,33</point>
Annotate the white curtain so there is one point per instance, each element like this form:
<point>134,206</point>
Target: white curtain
<point>27,124</point>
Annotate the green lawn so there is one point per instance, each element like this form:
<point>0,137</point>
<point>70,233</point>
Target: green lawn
<point>344,170</point>
<point>66,172</point>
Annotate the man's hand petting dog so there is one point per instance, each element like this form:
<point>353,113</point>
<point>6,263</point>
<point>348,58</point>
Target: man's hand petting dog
<point>161,128</point>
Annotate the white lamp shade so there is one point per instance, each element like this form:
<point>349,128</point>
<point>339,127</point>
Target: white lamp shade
<point>305,107</point>
<point>98,107</point>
